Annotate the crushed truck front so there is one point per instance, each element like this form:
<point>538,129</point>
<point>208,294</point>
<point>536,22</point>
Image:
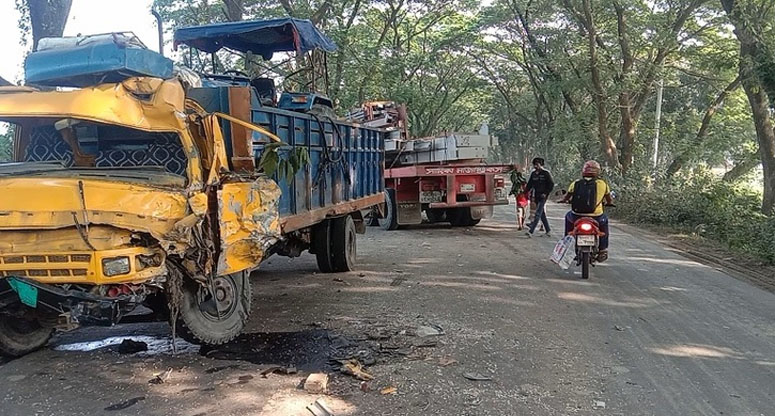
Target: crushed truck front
<point>107,202</point>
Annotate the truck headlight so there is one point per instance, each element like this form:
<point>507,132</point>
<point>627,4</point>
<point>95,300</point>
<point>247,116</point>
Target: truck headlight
<point>114,266</point>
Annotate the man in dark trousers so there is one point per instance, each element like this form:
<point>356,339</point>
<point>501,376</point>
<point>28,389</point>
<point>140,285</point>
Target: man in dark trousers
<point>541,185</point>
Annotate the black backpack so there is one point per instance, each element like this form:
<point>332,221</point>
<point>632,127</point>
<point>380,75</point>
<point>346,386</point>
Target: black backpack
<point>585,199</point>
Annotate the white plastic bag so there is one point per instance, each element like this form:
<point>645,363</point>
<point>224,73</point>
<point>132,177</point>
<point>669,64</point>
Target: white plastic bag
<point>564,251</point>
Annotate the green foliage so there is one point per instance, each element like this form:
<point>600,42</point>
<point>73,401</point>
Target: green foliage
<point>285,163</point>
<point>702,204</point>
<point>6,145</point>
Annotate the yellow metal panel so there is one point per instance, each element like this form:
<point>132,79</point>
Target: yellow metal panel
<point>108,103</point>
<point>133,206</point>
<point>249,223</point>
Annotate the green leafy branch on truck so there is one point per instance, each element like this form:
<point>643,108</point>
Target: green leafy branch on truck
<point>283,163</point>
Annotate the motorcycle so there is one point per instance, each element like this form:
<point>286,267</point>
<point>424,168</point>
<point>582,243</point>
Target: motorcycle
<point>586,236</point>
<point>586,232</point>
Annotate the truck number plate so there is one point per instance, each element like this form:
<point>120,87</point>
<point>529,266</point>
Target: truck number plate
<point>467,187</point>
<point>428,197</point>
<point>585,240</point>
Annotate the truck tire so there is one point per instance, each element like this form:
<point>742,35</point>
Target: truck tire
<point>434,215</point>
<point>343,244</point>
<point>321,246</point>
<point>199,316</point>
<point>20,336</point>
<point>461,217</point>
<point>390,222</point>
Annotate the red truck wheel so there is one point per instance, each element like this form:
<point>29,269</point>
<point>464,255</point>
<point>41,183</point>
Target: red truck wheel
<point>461,217</point>
<point>390,222</point>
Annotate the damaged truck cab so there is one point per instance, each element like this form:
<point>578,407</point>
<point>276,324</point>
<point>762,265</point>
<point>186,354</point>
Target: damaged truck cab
<point>124,190</point>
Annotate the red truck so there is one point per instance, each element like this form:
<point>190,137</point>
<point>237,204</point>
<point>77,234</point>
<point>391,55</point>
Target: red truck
<point>443,176</point>
<point>459,193</point>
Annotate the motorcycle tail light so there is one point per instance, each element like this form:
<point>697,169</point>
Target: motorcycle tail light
<point>586,226</point>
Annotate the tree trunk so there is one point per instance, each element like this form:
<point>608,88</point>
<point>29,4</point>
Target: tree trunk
<point>741,168</point>
<point>235,10</point>
<point>765,131</point>
<point>702,133</point>
<point>627,126</point>
<point>607,144</point>
<point>48,18</point>
<point>750,49</point>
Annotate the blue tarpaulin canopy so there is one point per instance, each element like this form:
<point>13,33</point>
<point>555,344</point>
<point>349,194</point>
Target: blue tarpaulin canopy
<point>261,37</point>
<point>82,61</point>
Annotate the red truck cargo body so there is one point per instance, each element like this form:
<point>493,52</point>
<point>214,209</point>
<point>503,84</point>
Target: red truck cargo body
<point>461,194</point>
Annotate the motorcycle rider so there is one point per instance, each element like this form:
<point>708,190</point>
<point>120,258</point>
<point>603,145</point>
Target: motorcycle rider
<point>587,197</point>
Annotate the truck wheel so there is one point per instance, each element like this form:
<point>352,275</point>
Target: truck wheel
<point>390,222</point>
<point>434,215</point>
<point>199,308</point>
<point>21,336</point>
<point>461,217</point>
<point>321,246</point>
<point>343,244</point>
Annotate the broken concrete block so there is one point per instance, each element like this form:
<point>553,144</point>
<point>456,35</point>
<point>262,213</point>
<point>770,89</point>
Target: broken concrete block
<point>316,383</point>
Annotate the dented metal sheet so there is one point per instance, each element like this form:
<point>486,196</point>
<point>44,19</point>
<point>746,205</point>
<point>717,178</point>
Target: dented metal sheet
<point>249,223</point>
<point>51,203</point>
<point>108,103</point>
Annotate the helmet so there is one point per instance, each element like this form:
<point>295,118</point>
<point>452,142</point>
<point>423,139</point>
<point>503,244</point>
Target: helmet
<point>591,169</point>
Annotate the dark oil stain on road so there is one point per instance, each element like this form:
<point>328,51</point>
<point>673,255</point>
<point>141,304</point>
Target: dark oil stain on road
<point>306,350</point>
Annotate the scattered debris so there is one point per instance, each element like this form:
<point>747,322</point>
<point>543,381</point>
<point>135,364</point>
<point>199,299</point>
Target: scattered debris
<point>278,370</point>
<point>319,408</point>
<point>619,328</point>
<point>361,274</point>
<point>161,377</point>
<point>388,390</point>
<point>429,331</point>
<point>476,377</point>
<point>447,361</point>
<point>125,404</point>
<point>130,346</point>
<point>340,280</point>
<point>316,383</point>
<point>16,378</point>
<point>365,386</point>
<point>598,404</point>
<point>355,369</point>
<point>244,379</point>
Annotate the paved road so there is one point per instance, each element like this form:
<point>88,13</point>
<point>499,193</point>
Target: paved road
<point>652,333</point>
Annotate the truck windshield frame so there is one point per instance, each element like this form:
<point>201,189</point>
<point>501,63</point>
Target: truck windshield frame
<point>73,145</point>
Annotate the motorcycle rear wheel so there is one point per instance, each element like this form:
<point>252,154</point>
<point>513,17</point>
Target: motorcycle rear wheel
<point>585,265</point>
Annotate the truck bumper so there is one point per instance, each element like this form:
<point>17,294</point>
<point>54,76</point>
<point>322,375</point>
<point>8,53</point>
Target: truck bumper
<point>81,307</point>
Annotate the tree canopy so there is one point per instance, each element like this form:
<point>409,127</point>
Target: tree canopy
<point>569,80</point>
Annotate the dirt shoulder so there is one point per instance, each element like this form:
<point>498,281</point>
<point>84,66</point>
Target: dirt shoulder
<point>710,253</point>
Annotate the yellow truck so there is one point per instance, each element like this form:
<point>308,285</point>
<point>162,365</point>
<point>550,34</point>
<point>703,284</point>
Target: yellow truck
<point>125,190</point>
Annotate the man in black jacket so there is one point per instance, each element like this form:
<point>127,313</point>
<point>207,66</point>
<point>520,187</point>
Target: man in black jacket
<point>541,185</point>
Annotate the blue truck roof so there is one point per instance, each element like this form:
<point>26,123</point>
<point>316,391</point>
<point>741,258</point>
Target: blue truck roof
<point>261,37</point>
